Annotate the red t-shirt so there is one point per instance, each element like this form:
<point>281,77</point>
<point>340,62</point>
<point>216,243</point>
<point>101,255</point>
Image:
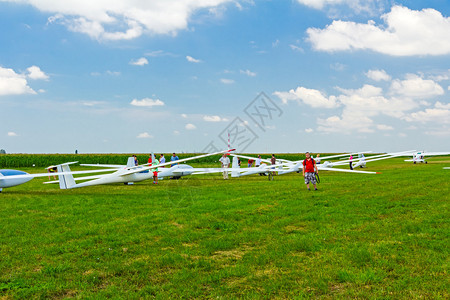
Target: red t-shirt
<point>308,165</point>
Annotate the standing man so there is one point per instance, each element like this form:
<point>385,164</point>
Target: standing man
<point>309,167</point>
<point>258,163</point>
<point>162,159</point>
<point>136,162</point>
<point>174,158</point>
<point>155,171</point>
<point>351,161</point>
<point>225,163</point>
<point>318,159</point>
<point>273,161</point>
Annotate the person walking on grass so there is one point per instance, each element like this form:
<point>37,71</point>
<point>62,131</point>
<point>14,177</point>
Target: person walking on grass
<point>225,163</point>
<point>309,167</point>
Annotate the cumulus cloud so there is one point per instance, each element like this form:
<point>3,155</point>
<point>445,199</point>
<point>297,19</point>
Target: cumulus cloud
<point>190,126</point>
<point>147,102</point>
<point>406,32</point>
<point>248,73</point>
<point>139,62</point>
<point>34,72</point>
<point>440,113</point>
<point>122,19</point>
<point>309,130</point>
<point>378,75</point>
<point>12,83</point>
<point>347,123</point>
<point>214,119</point>
<point>193,60</point>
<point>144,135</point>
<point>311,97</point>
<point>416,87</point>
<point>11,133</point>
<point>359,106</point>
<point>442,105</point>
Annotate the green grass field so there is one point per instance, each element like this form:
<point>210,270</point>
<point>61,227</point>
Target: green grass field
<point>359,236</point>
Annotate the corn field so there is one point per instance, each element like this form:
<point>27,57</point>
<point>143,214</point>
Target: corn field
<point>45,160</point>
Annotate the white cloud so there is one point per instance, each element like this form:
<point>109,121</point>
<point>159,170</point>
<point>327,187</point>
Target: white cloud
<point>226,81</point>
<point>439,114</point>
<point>248,73</point>
<point>12,83</point>
<point>123,19</point>
<point>348,123</point>
<point>309,130</point>
<point>184,116</point>
<point>442,105</point>
<point>192,60</point>
<point>139,62</point>
<point>378,75</point>
<point>384,127</point>
<point>359,105</point>
<point>176,132</point>
<point>406,32</point>
<point>214,119</point>
<point>311,97</point>
<point>147,102</point>
<point>34,72</point>
<point>190,126</point>
<point>11,133</point>
<point>144,135</point>
<point>416,87</point>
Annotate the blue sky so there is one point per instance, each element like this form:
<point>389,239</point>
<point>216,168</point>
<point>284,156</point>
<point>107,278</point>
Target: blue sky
<point>164,76</point>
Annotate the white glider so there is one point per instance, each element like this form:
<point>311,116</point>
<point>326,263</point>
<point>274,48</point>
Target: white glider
<point>419,157</point>
<point>126,174</point>
<point>10,178</point>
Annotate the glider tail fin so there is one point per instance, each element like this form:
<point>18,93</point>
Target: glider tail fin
<point>130,162</point>
<point>234,166</point>
<point>65,181</point>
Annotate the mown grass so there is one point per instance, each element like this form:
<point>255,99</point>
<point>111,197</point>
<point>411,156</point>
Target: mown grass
<point>359,236</point>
